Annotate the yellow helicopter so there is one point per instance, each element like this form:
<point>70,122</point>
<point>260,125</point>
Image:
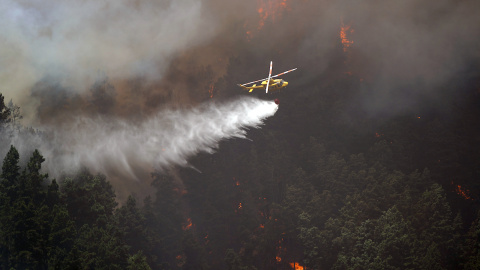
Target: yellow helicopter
<point>268,83</point>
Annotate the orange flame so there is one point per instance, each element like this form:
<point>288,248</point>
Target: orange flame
<point>239,205</point>
<point>267,9</point>
<point>296,266</point>
<point>210,90</point>
<point>278,258</point>
<point>344,29</point>
<point>206,239</point>
<point>180,191</point>
<point>463,192</point>
<point>188,225</point>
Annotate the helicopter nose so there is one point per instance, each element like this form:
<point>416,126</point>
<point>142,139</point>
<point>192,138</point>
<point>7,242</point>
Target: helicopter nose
<point>285,83</point>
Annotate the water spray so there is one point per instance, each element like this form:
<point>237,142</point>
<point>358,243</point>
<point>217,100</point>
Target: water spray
<point>166,139</point>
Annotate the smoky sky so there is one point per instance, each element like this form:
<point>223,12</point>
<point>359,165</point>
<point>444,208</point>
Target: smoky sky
<point>126,60</point>
<point>77,42</point>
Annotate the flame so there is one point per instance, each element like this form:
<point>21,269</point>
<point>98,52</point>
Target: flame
<point>296,266</point>
<point>188,225</point>
<point>282,251</point>
<point>249,35</point>
<point>180,260</point>
<point>344,29</point>
<point>270,9</point>
<point>267,10</point>
<point>239,205</point>
<point>462,192</point>
<point>262,226</point>
<point>206,239</point>
<point>210,90</point>
<point>180,191</point>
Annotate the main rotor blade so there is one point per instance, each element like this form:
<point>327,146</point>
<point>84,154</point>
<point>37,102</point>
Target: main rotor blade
<point>279,74</point>
<point>269,76</point>
<point>254,81</point>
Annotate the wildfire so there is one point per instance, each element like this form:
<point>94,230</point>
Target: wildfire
<point>267,10</point>
<point>296,266</point>
<point>188,225</point>
<point>282,251</point>
<point>210,90</point>
<point>180,191</point>
<point>206,239</point>
<point>462,192</point>
<point>249,35</point>
<point>270,9</point>
<point>180,260</point>
<point>344,30</point>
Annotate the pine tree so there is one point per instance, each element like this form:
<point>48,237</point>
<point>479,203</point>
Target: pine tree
<point>4,112</point>
<point>10,171</point>
<point>132,224</point>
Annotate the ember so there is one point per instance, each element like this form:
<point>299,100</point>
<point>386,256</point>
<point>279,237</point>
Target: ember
<point>267,10</point>
<point>462,192</point>
<point>188,225</point>
<point>210,90</point>
<point>346,43</point>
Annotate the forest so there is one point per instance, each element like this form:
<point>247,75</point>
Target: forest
<point>370,161</point>
<point>319,186</point>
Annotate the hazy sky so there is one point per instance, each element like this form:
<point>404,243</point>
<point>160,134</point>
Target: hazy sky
<point>77,43</point>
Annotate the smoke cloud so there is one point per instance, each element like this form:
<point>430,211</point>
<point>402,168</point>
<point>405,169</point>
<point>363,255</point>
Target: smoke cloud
<point>114,67</point>
<point>73,41</point>
<point>164,43</point>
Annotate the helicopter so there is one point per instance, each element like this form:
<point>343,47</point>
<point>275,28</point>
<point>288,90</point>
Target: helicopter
<point>268,83</point>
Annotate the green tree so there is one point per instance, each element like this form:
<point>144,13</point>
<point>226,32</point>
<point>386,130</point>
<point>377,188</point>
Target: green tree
<point>138,261</point>
<point>33,179</point>
<point>194,253</point>
<point>89,199</point>
<point>4,112</point>
<point>15,115</point>
<point>132,224</point>
<point>100,246</point>
<point>435,224</point>
<point>470,247</point>
<point>379,244</point>
<point>62,235</point>
<point>167,209</point>
<point>10,170</point>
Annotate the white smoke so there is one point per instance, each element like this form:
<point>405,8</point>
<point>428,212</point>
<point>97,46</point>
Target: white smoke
<point>73,41</point>
<point>166,139</point>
